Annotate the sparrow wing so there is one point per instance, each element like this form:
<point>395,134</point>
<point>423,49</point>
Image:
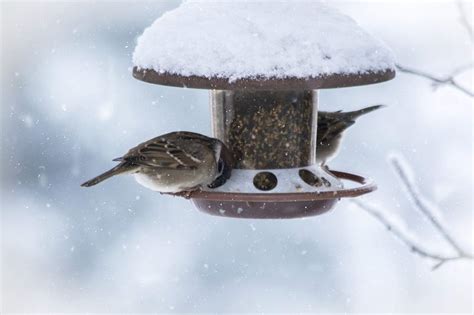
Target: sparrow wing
<point>163,152</point>
<point>330,125</point>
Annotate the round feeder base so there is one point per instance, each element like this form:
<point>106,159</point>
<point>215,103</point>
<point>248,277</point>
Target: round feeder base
<point>278,205</point>
<point>264,210</point>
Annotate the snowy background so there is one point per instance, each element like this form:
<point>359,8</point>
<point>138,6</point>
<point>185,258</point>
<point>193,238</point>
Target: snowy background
<point>69,105</point>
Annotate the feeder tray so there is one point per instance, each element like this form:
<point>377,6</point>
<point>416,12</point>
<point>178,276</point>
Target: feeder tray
<point>278,206</point>
<point>267,120</point>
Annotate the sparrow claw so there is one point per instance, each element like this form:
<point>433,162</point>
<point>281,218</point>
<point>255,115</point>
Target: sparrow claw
<point>186,194</point>
<point>326,168</point>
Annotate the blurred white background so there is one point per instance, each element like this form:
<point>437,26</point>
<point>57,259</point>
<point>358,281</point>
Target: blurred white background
<point>69,105</point>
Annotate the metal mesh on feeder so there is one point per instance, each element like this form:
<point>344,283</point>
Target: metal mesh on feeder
<point>264,99</point>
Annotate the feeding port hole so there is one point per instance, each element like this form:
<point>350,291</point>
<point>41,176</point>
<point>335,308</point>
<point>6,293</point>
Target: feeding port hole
<point>265,181</point>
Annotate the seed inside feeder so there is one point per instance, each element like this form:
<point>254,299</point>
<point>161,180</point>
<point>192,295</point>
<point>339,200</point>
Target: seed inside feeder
<point>266,129</point>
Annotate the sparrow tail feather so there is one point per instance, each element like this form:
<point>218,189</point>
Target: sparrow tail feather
<point>357,113</point>
<point>119,169</point>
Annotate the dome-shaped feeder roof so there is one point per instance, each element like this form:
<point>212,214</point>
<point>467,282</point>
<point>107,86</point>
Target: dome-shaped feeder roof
<point>259,45</point>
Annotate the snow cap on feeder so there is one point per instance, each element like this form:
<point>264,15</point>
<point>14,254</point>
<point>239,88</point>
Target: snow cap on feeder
<point>265,45</point>
<point>263,62</point>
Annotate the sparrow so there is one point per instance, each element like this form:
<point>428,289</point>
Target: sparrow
<point>331,126</point>
<point>176,162</point>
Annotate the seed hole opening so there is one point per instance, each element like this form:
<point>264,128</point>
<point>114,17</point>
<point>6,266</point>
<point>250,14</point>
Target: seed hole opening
<point>265,181</point>
<point>310,178</point>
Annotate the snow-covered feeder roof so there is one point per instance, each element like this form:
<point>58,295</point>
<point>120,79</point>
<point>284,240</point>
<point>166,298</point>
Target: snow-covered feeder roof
<point>259,45</point>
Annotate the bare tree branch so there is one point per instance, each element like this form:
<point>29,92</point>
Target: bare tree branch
<point>450,78</point>
<point>425,207</point>
<point>437,81</point>
<point>401,233</point>
<point>464,20</point>
<point>461,69</point>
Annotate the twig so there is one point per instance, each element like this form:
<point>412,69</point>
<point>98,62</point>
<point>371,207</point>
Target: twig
<point>463,19</point>
<point>449,80</point>
<point>454,73</point>
<point>400,232</point>
<point>461,69</point>
<point>402,170</point>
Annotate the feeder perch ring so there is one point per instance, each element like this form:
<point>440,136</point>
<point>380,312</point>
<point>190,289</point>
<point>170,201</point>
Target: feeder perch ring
<point>279,205</point>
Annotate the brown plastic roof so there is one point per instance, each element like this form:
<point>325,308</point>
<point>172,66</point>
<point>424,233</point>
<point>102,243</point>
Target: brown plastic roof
<point>290,83</point>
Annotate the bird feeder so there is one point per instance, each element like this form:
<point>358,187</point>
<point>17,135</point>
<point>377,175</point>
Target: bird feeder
<point>264,63</point>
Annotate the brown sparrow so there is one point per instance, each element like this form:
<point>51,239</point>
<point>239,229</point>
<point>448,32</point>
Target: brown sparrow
<point>175,162</point>
<point>331,126</point>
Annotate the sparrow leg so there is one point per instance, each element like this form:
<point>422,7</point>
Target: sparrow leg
<point>325,167</point>
<point>185,194</point>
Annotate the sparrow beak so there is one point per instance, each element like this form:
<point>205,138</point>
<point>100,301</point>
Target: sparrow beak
<point>225,164</point>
